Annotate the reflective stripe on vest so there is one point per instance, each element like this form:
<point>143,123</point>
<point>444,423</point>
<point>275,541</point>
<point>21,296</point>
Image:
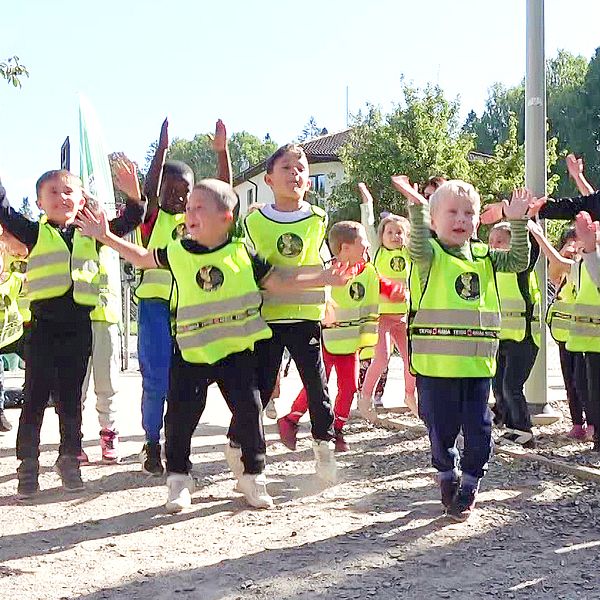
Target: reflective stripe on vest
<point>108,308</point>
<point>290,245</point>
<point>157,283</point>
<point>393,265</point>
<point>513,308</point>
<point>52,269</point>
<point>355,307</point>
<point>560,312</point>
<point>218,302</point>
<point>11,320</point>
<point>584,329</point>
<point>454,332</point>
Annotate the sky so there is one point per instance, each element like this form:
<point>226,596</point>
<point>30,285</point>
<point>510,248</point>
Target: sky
<point>264,66</point>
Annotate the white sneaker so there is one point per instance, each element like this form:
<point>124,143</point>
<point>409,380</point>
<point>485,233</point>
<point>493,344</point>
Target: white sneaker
<point>254,488</point>
<point>270,410</point>
<point>325,461</point>
<point>180,488</point>
<point>233,456</point>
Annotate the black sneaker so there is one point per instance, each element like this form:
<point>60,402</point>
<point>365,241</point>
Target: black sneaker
<point>521,438</point>
<point>70,473</point>
<point>150,459</point>
<point>462,506</point>
<point>27,474</point>
<point>448,489</point>
<point>4,422</point>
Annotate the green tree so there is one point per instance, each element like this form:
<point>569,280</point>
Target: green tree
<point>13,71</point>
<point>25,209</point>
<point>247,150</point>
<point>311,130</point>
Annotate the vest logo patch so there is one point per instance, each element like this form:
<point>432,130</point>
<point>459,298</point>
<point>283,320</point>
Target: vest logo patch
<point>90,266</point>
<point>18,266</point>
<point>210,278</point>
<point>289,245</point>
<point>4,302</point>
<point>397,263</point>
<point>467,286</point>
<point>179,232</point>
<point>357,291</point>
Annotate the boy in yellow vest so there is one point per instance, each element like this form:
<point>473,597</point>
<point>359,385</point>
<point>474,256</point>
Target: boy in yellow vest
<point>62,284</point>
<point>290,233</point>
<point>454,328</point>
<point>350,326</point>
<point>217,324</point>
<point>168,186</point>
<point>520,309</point>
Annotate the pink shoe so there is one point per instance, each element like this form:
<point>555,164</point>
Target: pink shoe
<point>109,442</point>
<point>589,434</point>
<point>578,432</point>
<point>82,458</point>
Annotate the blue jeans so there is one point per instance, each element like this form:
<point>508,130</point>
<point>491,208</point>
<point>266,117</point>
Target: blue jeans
<point>447,405</point>
<point>155,347</point>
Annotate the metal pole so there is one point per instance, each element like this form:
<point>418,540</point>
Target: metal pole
<point>535,180</point>
<point>126,325</point>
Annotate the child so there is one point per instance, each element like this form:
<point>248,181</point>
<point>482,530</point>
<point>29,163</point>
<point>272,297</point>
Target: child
<point>217,324</point>
<point>164,222</point>
<point>584,315</point>
<point>11,328</point>
<point>520,309</point>
<point>353,325</point>
<point>558,318</point>
<point>391,261</point>
<point>289,234</point>
<point>62,284</point>
<point>454,327</point>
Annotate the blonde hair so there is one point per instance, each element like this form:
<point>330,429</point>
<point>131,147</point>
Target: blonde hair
<point>403,222</point>
<point>343,232</point>
<point>458,189</point>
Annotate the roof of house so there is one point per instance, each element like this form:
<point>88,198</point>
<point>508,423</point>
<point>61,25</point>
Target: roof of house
<point>324,148</point>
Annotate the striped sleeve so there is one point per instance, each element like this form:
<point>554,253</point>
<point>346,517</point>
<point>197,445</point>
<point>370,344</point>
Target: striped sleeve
<point>516,259</point>
<point>419,248</point>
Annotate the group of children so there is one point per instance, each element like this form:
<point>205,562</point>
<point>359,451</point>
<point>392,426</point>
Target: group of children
<point>217,309</point>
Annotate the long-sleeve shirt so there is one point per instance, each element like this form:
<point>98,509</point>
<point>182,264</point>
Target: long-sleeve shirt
<point>421,252</point>
<point>592,263</point>
<point>63,308</point>
<point>567,208</point>
<point>367,218</point>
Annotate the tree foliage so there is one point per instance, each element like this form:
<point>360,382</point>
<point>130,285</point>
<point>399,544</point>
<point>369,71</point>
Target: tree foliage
<point>26,210</point>
<point>311,130</point>
<point>13,71</point>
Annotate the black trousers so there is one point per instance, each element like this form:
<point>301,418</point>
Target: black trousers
<point>303,341</point>
<point>56,359</point>
<point>572,365</point>
<point>515,361</point>
<point>592,368</point>
<point>188,385</point>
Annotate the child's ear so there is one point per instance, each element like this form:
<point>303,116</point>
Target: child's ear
<point>39,204</point>
<point>268,180</point>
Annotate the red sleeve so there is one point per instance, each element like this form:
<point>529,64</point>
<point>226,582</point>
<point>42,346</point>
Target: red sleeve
<point>387,287</point>
<point>147,226</point>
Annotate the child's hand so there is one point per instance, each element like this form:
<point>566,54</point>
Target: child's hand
<point>574,166</point>
<point>219,140</point>
<point>398,293</point>
<point>337,274</point>
<point>535,205</point>
<point>587,231</point>
<point>365,194</point>
<point>127,179</point>
<point>518,205</point>
<point>92,223</point>
<point>535,228</point>
<point>163,140</point>
<point>410,192</point>
<point>329,318</point>
<point>493,212</point>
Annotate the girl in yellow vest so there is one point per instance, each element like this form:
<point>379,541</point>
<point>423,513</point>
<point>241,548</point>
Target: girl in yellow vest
<point>351,326</point>
<point>217,324</point>
<point>390,258</point>
<point>584,322</point>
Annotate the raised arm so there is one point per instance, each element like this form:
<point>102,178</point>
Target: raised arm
<point>154,175</point>
<point>367,216</point>
<point>96,225</point>
<point>127,181</point>
<point>224,172</point>
<point>558,266</point>
<point>587,232</point>
<point>575,169</point>
<point>20,227</point>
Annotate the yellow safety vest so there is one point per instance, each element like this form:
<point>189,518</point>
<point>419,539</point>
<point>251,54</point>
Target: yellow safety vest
<point>584,329</point>
<point>109,305</point>
<point>293,245</point>
<point>18,266</point>
<point>393,265</point>
<point>560,312</point>
<point>218,303</point>
<point>157,283</point>
<point>11,320</point>
<point>53,269</point>
<point>355,306</point>
<point>513,309</point>
<point>454,331</point>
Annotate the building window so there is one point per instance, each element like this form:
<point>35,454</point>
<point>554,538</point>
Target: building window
<point>317,184</point>
<point>249,197</point>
